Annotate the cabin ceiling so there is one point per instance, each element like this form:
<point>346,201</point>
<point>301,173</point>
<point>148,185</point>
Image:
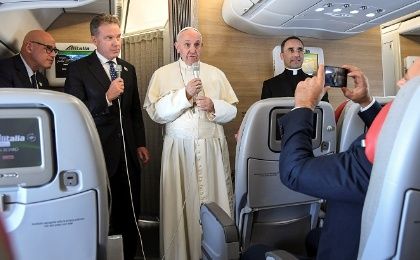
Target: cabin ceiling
<point>327,19</point>
<point>96,7</point>
<point>9,5</point>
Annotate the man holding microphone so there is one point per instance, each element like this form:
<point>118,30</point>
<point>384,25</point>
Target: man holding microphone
<point>111,95</point>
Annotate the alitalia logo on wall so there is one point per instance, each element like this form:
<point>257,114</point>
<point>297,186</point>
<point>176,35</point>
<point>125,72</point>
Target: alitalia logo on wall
<point>77,48</point>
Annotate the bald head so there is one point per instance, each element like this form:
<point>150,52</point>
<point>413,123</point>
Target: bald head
<point>412,72</point>
<point>38,49</point>
<point>38,36</point>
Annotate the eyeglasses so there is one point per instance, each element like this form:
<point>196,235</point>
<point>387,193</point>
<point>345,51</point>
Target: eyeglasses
<point>48,48</point>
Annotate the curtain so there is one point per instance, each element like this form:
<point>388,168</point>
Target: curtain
<point>182,13</point>
<point>145,52</point>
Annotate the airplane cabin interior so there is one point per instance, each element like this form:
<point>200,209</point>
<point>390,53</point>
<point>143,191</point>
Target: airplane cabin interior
<point>54,199</point>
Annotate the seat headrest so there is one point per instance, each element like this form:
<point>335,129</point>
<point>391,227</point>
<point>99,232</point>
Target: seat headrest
<point>373,132</point>
<point>339,110</point>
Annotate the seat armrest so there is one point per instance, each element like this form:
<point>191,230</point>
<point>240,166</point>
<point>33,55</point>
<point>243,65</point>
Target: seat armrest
<point>280,255</point>
<point>220,239</point>
<point>228,224</point>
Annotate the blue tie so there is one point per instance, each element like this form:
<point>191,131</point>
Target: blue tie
<point>112,71</point>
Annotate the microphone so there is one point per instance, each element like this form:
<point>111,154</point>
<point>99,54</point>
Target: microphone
<point>118,70</point>
<point>196,69</point>
<point>196,73</point>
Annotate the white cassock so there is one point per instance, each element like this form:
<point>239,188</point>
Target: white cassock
<point>195,159</point>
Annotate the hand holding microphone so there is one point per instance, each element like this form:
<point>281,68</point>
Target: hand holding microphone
<point>117,85</point>
<point>194,86</point>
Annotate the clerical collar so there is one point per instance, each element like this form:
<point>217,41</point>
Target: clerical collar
<point>294,71</point>
<point>185,65</point>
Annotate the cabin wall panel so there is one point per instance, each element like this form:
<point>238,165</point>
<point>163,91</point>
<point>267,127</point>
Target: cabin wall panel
<point>71,27</point>
<point>247,59</point>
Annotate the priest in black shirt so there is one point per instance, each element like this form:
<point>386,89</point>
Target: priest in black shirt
<point>284,84</point>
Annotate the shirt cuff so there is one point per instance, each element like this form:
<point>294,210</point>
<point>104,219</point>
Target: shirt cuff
<point>107,101</point>
<point>362,109</point>
<point>296,108</point>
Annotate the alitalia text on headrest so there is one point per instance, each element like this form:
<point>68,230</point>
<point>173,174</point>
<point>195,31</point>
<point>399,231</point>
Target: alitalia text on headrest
<point>12,138</point>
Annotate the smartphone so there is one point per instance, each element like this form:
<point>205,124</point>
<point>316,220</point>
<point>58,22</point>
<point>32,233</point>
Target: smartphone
<point>335,77</point>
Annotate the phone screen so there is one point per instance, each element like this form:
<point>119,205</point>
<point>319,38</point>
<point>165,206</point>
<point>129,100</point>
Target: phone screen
<point>335,77</point>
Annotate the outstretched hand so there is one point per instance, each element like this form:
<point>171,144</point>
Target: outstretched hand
<point>309,92</point>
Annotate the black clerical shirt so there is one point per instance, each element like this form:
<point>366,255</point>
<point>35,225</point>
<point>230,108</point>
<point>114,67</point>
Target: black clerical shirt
<point>284,85</point>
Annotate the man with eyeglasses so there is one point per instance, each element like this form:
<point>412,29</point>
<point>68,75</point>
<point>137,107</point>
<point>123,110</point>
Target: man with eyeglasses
<point>284,84</point>
<point>23,70</point>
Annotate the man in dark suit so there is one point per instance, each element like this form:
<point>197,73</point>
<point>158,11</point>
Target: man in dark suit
<point>342,179</point>
<point>113,101</point>
<point>23,70</point>
<point>284,84</point>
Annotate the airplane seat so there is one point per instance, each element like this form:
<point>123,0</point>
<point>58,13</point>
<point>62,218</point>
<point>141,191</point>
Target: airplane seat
<point>391,212</point>
<point>266,211</point>
<point>53,185</point>
<point>394,188</point>
<point>373,132</point>
<point>349,124</point>
<point>339,110</point>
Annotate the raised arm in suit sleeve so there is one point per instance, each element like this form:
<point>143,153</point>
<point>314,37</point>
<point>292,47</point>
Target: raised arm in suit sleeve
<point>369,115</point>
<point>343,176</point>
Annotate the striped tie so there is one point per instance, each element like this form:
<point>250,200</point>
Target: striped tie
<point>112,71</point>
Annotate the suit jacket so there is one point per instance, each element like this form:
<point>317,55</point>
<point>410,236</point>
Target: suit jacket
<point>342,179</point>
<point>13,74</point>
<point>284,85</point>
<point>88,81</point>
